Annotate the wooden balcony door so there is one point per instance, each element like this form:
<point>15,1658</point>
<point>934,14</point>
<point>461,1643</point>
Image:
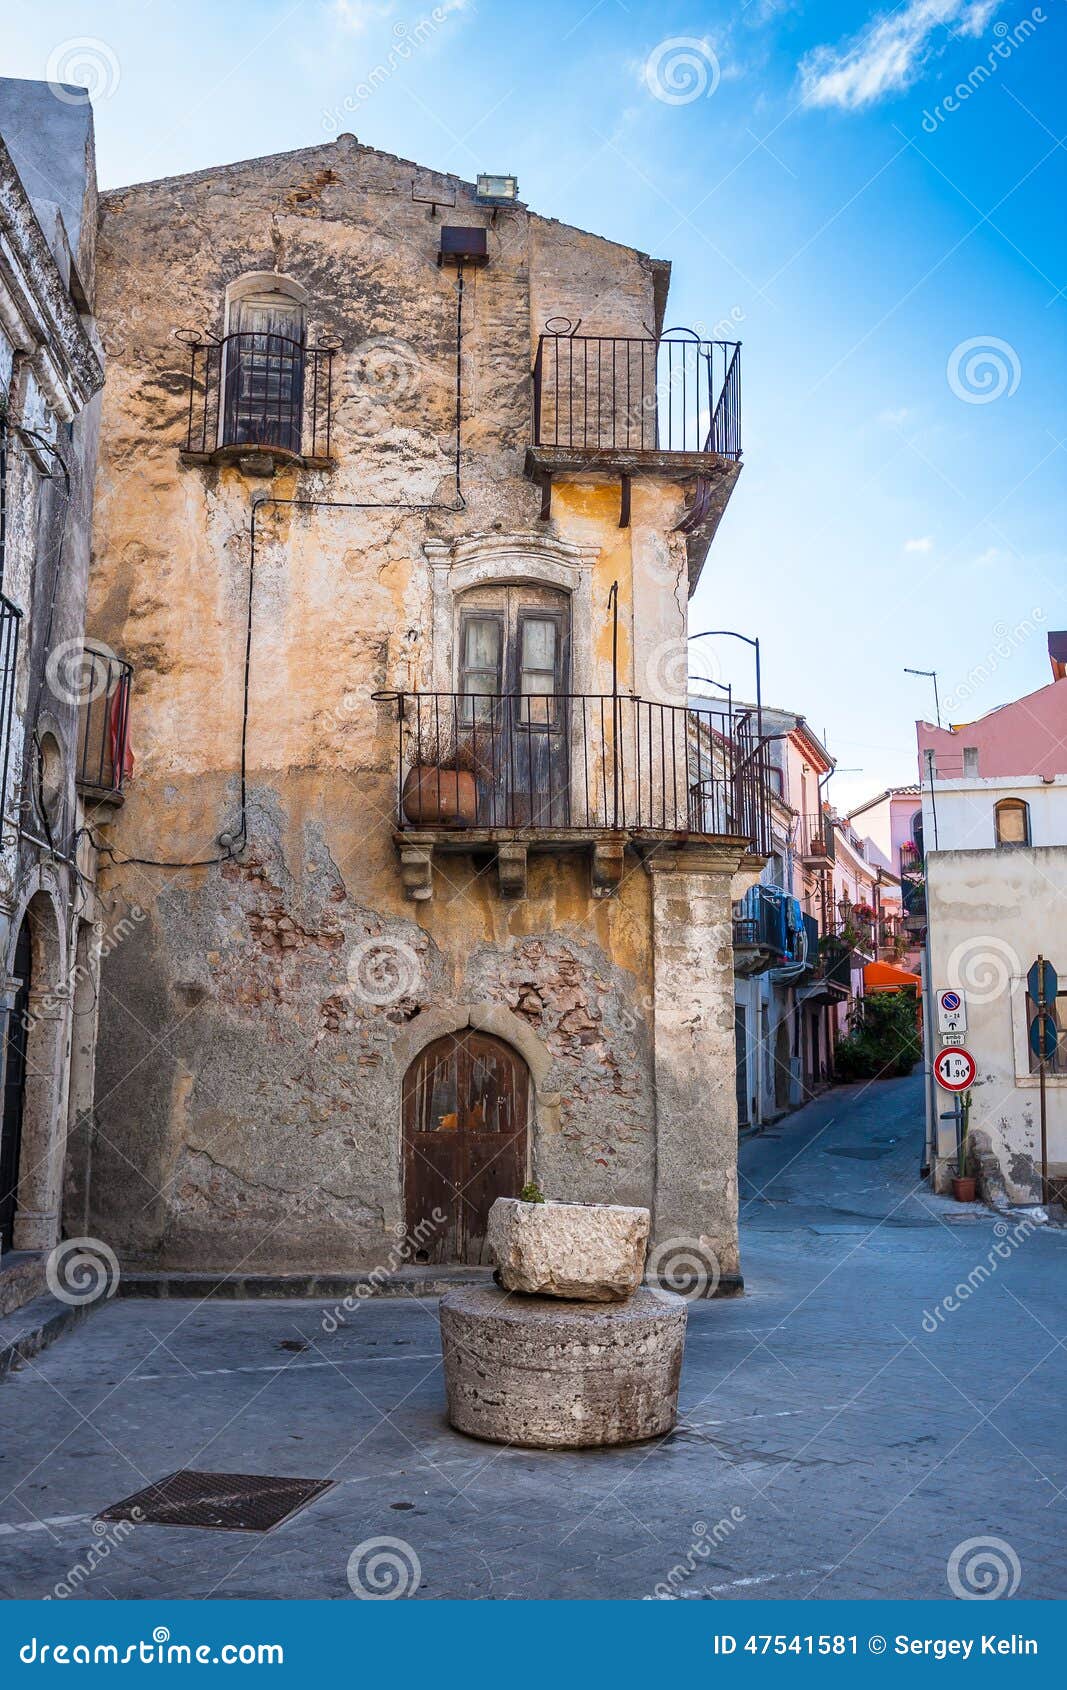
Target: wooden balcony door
<point>514,645</point>
<point>465,1111</point>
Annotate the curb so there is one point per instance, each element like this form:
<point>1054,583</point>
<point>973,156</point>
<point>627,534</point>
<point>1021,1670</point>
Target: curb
<point>34,1326</point>
<point>303,1287</point>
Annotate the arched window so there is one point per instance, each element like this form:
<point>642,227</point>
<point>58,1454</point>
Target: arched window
<point>1011,818</point>
<point>263,361</point>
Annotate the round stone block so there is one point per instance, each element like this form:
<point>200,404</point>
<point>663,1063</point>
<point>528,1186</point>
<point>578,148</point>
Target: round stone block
<point>549,1374</point>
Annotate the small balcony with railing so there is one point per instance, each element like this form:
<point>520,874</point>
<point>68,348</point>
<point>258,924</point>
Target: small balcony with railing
<point>104,758</point>
<point>770,932</point>
<point>506,774</point>
<point>259,397</point>
<point>667,406</point>
<point>815,843</point>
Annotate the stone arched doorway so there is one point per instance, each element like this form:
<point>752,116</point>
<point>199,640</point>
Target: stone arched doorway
<point>14,1086</point>
<point>466,1107</point>
<point>32,1147</point>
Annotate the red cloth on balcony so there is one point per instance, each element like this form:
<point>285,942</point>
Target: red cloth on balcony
<point>118,728</point>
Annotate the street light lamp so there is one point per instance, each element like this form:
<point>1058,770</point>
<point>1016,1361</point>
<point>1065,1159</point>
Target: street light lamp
<point>732,634</point>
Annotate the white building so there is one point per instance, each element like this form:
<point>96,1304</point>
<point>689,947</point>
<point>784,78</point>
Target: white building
<point>995,832</point>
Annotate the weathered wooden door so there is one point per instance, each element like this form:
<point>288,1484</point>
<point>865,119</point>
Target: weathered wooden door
<point>514,712</point>
<point>465,1109</point>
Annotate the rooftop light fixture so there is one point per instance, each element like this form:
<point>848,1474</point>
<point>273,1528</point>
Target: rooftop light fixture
<point>498,188</point>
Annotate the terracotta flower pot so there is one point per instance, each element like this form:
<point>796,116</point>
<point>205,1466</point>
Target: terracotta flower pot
<point>435,797</point>
<point>964,1188</point>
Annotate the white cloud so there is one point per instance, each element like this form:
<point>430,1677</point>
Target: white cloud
<point>925,544</point>
<point>355,15</point>
<point>895,419</point>
<point>890,54</point>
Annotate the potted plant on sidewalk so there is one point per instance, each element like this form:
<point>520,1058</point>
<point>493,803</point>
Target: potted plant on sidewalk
<point>964,1185</point>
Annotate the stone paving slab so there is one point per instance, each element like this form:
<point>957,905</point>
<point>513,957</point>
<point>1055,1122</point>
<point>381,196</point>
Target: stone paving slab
<point>829,1444</point>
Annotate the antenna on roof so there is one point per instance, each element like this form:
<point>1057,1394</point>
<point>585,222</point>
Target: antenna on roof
<point>931,675</point>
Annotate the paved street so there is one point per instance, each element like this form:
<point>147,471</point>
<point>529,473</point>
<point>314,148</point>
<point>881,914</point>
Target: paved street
<point>830,1446</point>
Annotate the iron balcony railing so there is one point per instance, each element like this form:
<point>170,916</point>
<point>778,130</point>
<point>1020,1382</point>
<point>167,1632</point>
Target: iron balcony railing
<point>811,929</point>
<point>626,394</point>
<point>911,857</point>
<point>769,918</point>
<point>10,618</point>
<point>574,762</point>
<point>258,390</point>
<point>105,759</point>
<point>815,837</point>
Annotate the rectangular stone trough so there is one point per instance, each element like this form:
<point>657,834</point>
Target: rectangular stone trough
<point>583,1252</point>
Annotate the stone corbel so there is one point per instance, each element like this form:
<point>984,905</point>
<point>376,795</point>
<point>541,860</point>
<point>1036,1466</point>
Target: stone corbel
<point>607,866</point>
<point>511,870</point>
<point>416,871</point>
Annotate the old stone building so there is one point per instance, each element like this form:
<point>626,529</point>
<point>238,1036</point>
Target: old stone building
<point>61,704</point>
<point>402,492</point>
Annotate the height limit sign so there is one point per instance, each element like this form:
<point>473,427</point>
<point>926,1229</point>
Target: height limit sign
<point>955,1070</point>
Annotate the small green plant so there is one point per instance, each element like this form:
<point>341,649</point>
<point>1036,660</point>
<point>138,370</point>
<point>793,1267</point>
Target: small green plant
<point>531,1193</point>
<point>965,1129</point>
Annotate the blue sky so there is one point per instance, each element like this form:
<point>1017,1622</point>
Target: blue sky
<point>891,258</point>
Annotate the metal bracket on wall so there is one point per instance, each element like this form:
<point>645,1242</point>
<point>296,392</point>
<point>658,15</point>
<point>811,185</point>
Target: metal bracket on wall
<point>624,502</point>
<point>698,510</point>
<point>546,495</point>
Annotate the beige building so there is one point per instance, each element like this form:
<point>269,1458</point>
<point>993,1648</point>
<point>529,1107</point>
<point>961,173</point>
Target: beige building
<point>402,493</point>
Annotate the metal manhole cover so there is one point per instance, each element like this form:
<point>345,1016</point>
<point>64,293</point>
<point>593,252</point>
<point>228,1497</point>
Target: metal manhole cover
<point>236,1502</point>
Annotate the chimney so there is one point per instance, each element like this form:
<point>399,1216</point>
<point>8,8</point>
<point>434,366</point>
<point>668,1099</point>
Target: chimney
<point>1057,655</point>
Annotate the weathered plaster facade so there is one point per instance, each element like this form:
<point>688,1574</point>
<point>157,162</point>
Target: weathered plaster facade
<point>990,915</point>
<point>258,1024</point>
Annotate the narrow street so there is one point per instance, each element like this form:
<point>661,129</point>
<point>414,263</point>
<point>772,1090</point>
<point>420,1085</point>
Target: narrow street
<point>830,1444</point>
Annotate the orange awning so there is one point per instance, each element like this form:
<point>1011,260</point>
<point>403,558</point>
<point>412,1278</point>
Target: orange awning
<point>887,977</point>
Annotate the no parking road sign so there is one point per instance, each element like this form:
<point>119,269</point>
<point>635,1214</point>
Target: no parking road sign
<point>951,1012</point>
<point>954,1070</point>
